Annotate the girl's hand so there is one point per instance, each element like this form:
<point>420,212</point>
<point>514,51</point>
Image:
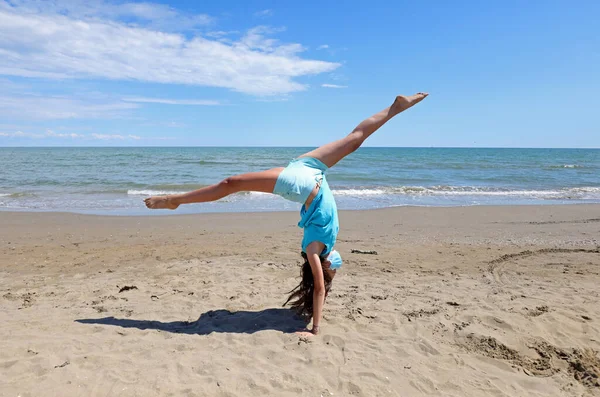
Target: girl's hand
<point>308,332</point>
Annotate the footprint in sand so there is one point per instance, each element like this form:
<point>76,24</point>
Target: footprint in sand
<point>334,341</point>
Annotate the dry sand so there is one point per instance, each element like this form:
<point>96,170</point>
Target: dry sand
<point>476,301</point>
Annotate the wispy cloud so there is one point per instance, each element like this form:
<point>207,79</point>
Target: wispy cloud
<point>155,15</point>
<point>333,86</point>
<point>256,39</point>
<point>264,13</point>
<point>220,34</point>
<point>76,40</point>
<point>83,137</point>
<point>112,137</point>
<point>7,85</point>
<point>47,134</point>
<point>60,107</point>
<point>199,102</point>
<point>21,134</point>
<point>53,134</point>
<point>332,51</point>
<point>167,124</point>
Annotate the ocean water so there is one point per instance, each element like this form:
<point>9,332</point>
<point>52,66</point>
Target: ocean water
<point>115,180</point>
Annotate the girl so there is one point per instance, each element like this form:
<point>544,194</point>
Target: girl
<point>303,181</point>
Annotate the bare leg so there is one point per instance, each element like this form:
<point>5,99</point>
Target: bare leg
<point>331,153</point>
<point>263,181</point>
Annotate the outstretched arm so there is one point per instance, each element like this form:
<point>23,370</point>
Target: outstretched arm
<point>312,252</point>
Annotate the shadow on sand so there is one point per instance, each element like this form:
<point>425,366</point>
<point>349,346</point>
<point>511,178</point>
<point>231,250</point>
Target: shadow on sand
<point>241,322</point>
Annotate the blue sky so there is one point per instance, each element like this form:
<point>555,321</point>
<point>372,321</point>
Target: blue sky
<point>280,73</point>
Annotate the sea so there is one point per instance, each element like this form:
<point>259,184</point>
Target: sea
<point>115,180</point>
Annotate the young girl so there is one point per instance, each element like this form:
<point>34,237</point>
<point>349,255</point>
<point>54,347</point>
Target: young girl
<point>303,181</point>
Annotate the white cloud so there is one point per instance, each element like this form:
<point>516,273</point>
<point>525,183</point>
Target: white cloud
<point>264,13</point>
<point>47,134</point>
<point>255,40</point>
<point>167,124</point>
<point>198,102</point>
<point>60,107</point>
<point>161,139</point>
<point>220,34</point>
<point>112,137</point>
<point>37,40</point>
<point>86,137</point>
<point>7,85</point>
<point>107,137</point>
<point>323,47</point>
<point>155,15</point>
<point>333,86</point>
<point>53,134</point>
<point>21,134</point>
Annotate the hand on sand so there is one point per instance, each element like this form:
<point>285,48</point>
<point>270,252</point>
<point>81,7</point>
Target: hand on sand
<point>160,202</point>
<point>306,333</point>
<point>404,102</point>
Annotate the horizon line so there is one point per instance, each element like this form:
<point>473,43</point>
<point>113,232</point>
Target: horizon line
<point>291,147</point>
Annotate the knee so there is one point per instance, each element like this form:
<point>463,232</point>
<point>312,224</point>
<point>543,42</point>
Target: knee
<point>230,184</point>
<point>354,142</point>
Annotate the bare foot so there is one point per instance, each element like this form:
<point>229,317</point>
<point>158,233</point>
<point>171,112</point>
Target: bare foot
<point>404,102</point>
<point>160,202</point>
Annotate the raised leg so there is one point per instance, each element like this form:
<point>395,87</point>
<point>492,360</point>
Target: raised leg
<point>263,181</point>
<point>331,153</point>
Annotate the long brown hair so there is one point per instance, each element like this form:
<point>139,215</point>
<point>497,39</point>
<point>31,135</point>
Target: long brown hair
<point>301,297</point>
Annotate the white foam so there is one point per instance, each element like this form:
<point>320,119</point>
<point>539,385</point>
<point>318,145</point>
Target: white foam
<point>586,189</point>
<point>5,194</point>
<point>474,191</point>
<point>537,193</point>
<point>421,191</point>
<point>259,194</point>
<point>567,166</point>
<point>150,192</point>
<point>467,191</point>
<point>360,192</point>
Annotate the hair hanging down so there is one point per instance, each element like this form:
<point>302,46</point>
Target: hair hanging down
<point>302,295</point>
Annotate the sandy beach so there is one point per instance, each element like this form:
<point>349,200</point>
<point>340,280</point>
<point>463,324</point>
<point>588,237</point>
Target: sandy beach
<point>463,301</point>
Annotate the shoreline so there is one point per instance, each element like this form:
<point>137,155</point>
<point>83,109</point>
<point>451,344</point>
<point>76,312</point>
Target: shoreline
<point>161,213</point>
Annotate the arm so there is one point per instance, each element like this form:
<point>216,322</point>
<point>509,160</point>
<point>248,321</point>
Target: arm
<point>312,253</point>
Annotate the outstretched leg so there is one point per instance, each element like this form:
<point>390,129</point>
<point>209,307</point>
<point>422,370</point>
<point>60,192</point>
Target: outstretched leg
<point>331,153</point>
<point>263,181</point>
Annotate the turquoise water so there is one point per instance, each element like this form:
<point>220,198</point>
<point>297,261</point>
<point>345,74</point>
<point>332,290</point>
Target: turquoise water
<point>115,180</point>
